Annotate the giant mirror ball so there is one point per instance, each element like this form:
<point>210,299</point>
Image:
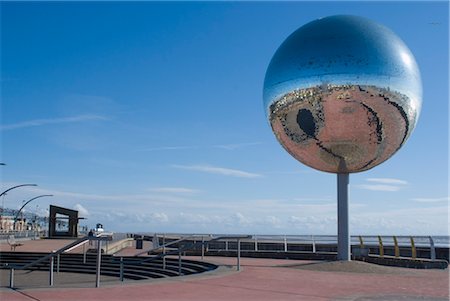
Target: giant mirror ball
<point>342,94</point>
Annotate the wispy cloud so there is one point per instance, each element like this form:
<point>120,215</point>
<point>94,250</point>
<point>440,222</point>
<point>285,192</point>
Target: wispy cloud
<point>431,200</point>
<point>181,190</point>
<point>230,147</point>
<point>41,122</point>
<point>383,184</point>
<point>236,145</point>
<point>218,170</point>
<point>387,181</point>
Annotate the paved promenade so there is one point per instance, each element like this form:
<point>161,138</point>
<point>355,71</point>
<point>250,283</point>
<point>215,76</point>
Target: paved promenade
<point>264,279</point>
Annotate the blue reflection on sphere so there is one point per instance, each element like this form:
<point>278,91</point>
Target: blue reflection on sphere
<point>342,94</point>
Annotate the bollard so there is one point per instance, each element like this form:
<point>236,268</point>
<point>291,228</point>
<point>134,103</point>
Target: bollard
<point>396,248</point>
<point>380,245</point>
<point>413,248</point>
<point>432,250</point>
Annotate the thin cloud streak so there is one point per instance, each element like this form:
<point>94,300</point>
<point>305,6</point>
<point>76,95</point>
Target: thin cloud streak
<point>230,147</point>
<point>388,181</point>
<point>218,171</point>
<point>41,122</point>
<point>431,200</point>
<point>174,190</point>
<point>378,187</point>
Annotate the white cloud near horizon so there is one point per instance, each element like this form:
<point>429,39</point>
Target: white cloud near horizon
<point>387,181</point>
<point>174,190</point>
<point>218,170</point>
<point>383,184</point>
<point>431,200</point>
<point>41,122</point>
<point>230,147</point>
<point>83,212</point>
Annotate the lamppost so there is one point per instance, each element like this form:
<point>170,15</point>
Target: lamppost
<point>9,189</point>
<point>23,206</point>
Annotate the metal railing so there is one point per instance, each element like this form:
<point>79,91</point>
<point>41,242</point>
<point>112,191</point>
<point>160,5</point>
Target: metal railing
<point>56,253</point>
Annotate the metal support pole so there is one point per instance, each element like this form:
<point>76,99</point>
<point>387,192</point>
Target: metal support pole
<point>226,245</point>
<point>121,268</point>
<point>57,263</point>
<point>99,262</point>
<point>313,244</point>
<point>52,260</point>
<point>84,253</point>
<point>413,249</point>
<point>380,246</point>
<point>396,248</point>
<point>203,248</point>
<point>179,263</point>
<point>164,258</point>
<point>343,222</point>
<point>432,249</point>
<point>238,254</point>
<point>11,278</point>
<point>285,244</point>
<point>256,243</point>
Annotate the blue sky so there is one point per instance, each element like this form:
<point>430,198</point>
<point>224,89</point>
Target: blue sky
<point>148,116</point>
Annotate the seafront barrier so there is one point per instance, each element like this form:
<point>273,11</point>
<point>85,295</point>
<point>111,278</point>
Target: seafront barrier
<point>316,246</point>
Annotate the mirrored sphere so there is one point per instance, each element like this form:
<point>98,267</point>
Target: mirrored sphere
<point>342,94</point>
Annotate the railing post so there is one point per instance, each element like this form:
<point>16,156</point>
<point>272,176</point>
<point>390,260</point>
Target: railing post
<point>432,249</point>
<point>52,260</point>
<point>285,244</point>
<point>226,245</point>
<point>84,253</point>
<point>256,242</point>
<point>396,248</point>
<point>99,262</point>
<point>121,268</point>
<point>413,248</point>
<point>11,278</point>
<point>238,254</point>
<point>361,242</point>
<point>179,262</point>
<point>380,246</point>
<point>203,248</point>
<point>57,263</point>
<point>313,244</point>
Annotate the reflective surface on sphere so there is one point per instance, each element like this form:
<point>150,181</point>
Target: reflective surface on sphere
<point>342,94</point>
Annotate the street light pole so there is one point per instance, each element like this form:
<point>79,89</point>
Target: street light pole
<point>14,187</point>
<point>18,212</point>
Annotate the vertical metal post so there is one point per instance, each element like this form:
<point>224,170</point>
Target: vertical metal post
<point>52,260</point>
<point>256,243</point>
<point>313,244</point>
<point>413,249</point>
<point>396,248</point>
<point>84,253</point>
<point>361,242</point>
<point>99,262</point>
<point>11,278</point>
<point>432,249</point>
<point>57,263</point>
<point>343,221</point>
<point>238,254</point>
<point>121,268</point>
<point>285,244</point>
<point>203,248</point>
<point>226,245</point>
<point>380,246</point>
<point>179,262</point>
